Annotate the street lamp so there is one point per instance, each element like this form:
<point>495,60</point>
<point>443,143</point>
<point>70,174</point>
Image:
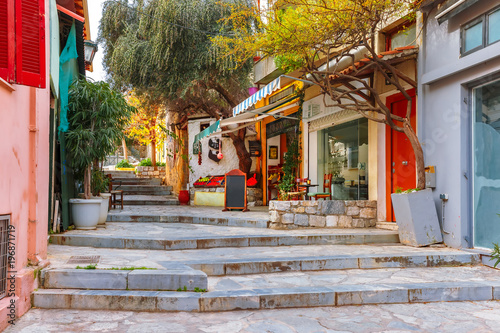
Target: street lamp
<point>90,50</point>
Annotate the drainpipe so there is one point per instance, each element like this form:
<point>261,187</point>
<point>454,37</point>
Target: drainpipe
<point>32,180</point>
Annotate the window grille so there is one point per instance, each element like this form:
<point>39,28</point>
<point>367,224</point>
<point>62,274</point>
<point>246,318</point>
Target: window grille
<point>282,94</point>
<point>4,240</point>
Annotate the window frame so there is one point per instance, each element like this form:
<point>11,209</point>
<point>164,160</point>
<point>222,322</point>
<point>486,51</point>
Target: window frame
<point>390,33</point>
<point>484,18</point>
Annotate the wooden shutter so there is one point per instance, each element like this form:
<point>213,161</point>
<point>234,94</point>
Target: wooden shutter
<point>30,43</point>
<point>7,40</point>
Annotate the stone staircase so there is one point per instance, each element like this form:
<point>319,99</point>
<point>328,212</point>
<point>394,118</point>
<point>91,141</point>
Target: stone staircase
<point>254,268</point>
<point>142,191</point>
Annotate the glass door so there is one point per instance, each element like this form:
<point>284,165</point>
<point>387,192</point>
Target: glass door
<point>486,164</point>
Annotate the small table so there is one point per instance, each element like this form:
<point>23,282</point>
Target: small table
<point>307,186</point>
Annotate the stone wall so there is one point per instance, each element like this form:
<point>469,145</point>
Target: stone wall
<point>150,172</point>
<point>254,195</point>
<point>322,214</point>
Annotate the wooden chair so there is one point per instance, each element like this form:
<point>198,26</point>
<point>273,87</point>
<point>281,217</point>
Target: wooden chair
<point>298,191</point>
<point>327,189</point>
<point>115,200</point>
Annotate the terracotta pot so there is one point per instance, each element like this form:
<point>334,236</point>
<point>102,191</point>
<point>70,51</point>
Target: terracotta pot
<point>184,197</point>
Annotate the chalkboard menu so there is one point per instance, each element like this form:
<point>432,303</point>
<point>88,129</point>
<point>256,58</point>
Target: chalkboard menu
<point>235,194</point>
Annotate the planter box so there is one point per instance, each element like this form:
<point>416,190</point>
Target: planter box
<point>417,218</point>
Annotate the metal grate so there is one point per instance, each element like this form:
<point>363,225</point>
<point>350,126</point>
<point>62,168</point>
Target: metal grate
<point>4,242</point>
<point>84,260</point>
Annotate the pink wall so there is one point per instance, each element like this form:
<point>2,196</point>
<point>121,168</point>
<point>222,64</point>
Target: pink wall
<point>24,180</point>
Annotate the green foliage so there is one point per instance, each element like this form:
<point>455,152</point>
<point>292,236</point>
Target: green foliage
<point>146,162</point>
<point>100,183</point>
<point>164,46</point>
<point>399,190</point>
<point>124,164</point>
<point>93,266</point>
<point>496,254</point>
<point>289,62</point>
<point>97,117</point>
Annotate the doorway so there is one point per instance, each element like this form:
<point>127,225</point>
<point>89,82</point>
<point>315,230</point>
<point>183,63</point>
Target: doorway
<point>400,168</point>
<point>486,163</point>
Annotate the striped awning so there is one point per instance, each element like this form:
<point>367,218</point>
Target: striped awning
<point>207,131</point>
<point>259,95</point>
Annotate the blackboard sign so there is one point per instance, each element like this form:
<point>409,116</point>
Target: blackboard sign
<point>235,194</point>
<point>254,147</point>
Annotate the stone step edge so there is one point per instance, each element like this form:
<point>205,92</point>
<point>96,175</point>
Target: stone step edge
<point>218,242</point>
<point>323,263</point>
<point>226,222</point>
<point>99,279</point>
<point>271,298</point>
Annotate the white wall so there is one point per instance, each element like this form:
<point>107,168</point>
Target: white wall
<point>208,167</point>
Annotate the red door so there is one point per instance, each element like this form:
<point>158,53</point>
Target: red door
<point>401,172</point>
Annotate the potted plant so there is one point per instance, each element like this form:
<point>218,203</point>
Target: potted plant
<point>416,217</point>
<point>97,117</point>
<point>100,185</point>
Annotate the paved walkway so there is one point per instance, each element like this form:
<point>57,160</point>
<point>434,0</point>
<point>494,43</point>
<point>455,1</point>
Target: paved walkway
<point>188,230</point>
<point>432,317</point>
<point>255,213</point>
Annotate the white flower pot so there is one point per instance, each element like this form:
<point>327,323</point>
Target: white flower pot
<point>104,209</point>
<point>85,212</point>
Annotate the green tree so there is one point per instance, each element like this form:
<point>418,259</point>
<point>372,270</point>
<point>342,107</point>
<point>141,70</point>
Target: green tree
<point>316,35</point>
<point>164,47</point>
<point>97,117</point>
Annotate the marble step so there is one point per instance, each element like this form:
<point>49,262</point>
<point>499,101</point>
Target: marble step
<point>199,241</point>
<point>146,200</point>
<point>271,297</point>
<point>139,279</point>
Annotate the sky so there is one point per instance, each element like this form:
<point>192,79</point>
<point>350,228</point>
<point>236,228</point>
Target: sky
<point>95,13</point>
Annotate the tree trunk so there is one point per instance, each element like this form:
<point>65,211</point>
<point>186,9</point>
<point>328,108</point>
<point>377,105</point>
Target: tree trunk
<point>125,152</point>
<point>87,178</point>
<point>153,152</point>
<point>245,162</point>
<point>419,154</point>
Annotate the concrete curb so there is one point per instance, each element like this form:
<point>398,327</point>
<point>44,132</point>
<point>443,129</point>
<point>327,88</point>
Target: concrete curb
<point>320,263</point>
<point>266,298</point>
<point>99,279</point>
<point>227,222</point>
<point>218,242</point>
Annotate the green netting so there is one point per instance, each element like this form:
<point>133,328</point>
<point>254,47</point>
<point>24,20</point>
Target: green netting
<point>68,70</point>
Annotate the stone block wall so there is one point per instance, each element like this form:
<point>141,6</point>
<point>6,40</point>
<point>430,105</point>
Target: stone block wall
<point>150,172</point>
<point>254,195</point>
<point>322,214</point>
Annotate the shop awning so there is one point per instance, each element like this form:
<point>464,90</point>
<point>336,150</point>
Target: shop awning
<point>207,131</point>
<point>245,119</point>
<point>277,84</point>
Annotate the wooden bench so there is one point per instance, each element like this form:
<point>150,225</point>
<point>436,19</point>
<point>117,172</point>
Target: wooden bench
<point>116,194</point>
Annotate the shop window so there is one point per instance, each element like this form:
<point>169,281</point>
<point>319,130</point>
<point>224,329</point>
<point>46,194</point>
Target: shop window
<point>22,42</point>
<point>343,152</point>
<point>480,32</point>
<point>403,35</point>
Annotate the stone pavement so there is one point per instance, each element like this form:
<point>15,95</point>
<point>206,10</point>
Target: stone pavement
<point>257,217</point>
<point>445,317</point>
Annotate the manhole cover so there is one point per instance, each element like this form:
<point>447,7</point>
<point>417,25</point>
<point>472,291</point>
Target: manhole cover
<point>84,260</point>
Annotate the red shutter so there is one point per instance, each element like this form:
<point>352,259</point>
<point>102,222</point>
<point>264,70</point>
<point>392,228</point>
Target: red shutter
<point>30,43</point>
<point>7,40</point>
